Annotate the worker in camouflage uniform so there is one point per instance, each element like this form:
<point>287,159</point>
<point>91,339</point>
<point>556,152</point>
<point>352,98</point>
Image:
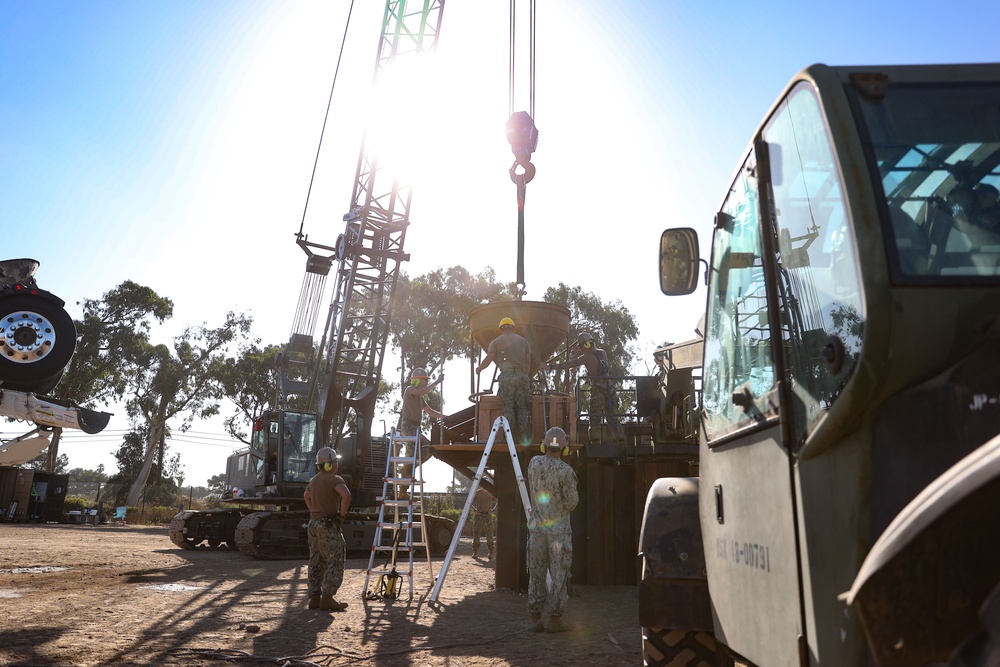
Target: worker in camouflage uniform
<point>512,354</point>
<point>328,500</point>
<point>483,523</point>
<point>410,416</point>
<point>552,489</point>
<point>603,397</point>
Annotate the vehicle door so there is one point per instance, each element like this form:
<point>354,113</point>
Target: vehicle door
<point>747,503</point>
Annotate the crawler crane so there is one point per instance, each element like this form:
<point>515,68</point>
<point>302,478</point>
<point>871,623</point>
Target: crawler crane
<point>327,389</point>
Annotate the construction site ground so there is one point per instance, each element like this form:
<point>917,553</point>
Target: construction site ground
<point>126,595</point>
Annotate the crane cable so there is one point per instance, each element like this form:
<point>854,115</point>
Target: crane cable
<point>531,58</point>
<point>521,133</point>
<point>326,117</point>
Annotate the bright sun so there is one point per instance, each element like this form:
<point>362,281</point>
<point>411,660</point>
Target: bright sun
<point>406,129</point>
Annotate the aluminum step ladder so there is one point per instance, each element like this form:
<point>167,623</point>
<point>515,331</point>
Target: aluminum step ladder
<point>501,422</point>
<point>401,513</point>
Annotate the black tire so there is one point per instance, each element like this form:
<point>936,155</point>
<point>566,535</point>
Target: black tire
<point>40,387</point>
<point>37,340</point>
<point>440,534</point>
<point>681,648</point>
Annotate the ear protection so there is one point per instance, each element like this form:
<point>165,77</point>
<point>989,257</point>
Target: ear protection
<point>329,454</point>
<point>587,345</point>
<point>555,441</point>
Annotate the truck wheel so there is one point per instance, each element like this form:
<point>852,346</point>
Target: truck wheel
<point>440,533</point>
<point>39,386</point>
<point>37,340</point>
<point>664,647</point>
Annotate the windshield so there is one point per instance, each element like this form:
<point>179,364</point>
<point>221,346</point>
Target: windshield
<point>937,148</point>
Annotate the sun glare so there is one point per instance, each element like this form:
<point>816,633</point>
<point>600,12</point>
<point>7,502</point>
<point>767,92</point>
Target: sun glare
<point>421,118</point>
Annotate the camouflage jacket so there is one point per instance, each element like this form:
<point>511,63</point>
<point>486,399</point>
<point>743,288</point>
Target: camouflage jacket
<point>552,487</point>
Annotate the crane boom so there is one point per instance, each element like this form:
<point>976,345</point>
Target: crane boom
<point>368,256</point>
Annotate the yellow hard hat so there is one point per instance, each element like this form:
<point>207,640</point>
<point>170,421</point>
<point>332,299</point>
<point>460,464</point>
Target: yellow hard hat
<point>506,322</point>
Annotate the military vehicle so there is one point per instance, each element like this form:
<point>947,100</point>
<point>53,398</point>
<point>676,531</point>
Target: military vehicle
<point>846,506</point>
<point>37,342</point>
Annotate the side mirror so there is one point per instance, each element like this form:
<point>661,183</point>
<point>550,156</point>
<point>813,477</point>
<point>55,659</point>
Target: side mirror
<point>679,261</point>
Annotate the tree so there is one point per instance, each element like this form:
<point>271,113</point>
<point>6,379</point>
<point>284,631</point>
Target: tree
<point>430,324</point>
<point>84,475</point>
<point>248,380</point>
<point>111,336</point>
<point>185,382</point>
<point>41,462</point>
<point>610,322</point>
<point>131,459</point>
<point>217,484</point>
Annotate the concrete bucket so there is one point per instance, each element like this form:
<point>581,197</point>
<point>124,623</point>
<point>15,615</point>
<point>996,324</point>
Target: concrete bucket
<point>545,325</point>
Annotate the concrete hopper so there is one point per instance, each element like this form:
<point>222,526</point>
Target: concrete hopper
<point>545,325</point>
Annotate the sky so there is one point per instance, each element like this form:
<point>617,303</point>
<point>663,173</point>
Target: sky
<point>173,144</point>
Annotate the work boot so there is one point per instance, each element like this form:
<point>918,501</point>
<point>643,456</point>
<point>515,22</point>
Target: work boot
<point>475,552</point>
<point>314,601</point>
<point>536,622</point>
<point>330,603</point>
<point>489,556</point>
<point>555,625</point>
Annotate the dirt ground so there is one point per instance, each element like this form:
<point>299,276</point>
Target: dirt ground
<point>113,595</point>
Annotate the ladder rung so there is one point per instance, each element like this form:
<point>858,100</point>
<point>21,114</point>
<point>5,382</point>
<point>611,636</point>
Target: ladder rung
<point>391,515</point>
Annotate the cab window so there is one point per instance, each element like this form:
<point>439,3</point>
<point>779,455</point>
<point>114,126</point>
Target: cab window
<point>818,277</point>
<point>738,368</point>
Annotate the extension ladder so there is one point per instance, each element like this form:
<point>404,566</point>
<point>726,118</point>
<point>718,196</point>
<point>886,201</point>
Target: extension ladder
<point>400,513</point>
<point>501,421</point>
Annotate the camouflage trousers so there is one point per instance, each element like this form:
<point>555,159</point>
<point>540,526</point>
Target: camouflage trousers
<point>515,401</point>
<point>603,405</point>
<point>483,525</point>
<point>552,554</point>
<point>327,552</point>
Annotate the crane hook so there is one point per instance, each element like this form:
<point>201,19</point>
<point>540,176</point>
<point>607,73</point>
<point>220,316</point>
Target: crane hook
<point>523,138</point>
<point>525,176</point>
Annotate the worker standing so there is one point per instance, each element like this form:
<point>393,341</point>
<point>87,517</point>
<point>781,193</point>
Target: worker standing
<point>483,504</point>
<point>512,354</point>
<point>328,500</point>
<point>603,398</point>
<point>411,415</point>
<point>552,489</point>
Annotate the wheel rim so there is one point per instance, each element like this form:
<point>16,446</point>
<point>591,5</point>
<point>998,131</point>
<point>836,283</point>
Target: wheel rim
<point>26,337</point>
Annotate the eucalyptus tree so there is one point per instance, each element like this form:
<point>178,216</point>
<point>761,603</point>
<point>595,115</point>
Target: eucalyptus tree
<point>249,382</point>
<point>111,335</point>
<point>183,382</point>
<point>430,324</point>
<point>611,323</point>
